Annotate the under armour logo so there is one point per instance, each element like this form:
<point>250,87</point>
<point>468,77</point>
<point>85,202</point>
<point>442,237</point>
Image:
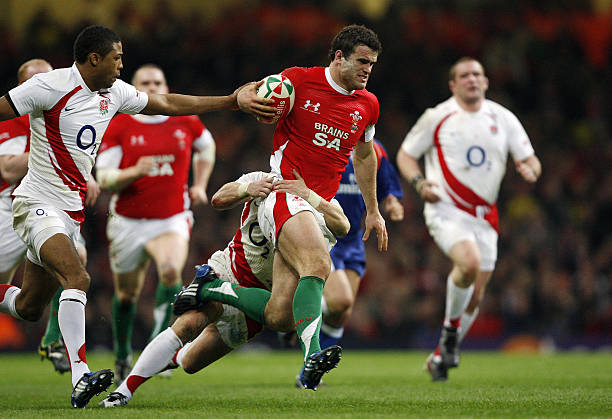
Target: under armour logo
<point>137,140</point>
<point>315,107</point>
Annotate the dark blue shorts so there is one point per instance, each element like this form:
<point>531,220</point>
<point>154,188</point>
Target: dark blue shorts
<point>349,255</point>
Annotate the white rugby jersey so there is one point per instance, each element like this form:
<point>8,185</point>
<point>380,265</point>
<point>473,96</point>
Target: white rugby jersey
<point>466,152</point>
<point>251,253</point>
<point>67,122</point>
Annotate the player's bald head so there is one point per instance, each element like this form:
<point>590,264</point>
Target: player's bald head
<point>32,67</point>
<point>150,78</point>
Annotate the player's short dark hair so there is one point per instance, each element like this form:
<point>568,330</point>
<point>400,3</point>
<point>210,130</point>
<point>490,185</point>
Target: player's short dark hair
<point>452,72</point>
<point>350,37</point>
<point>98,39</point>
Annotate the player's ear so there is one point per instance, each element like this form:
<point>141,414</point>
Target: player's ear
<point>338,55</point>
<point>94,58</point>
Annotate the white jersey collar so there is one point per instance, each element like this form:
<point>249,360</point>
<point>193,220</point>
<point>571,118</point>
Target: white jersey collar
<point>150,119</point>
<point>77,73</point>
<point>483,107</point>
<point>335,85</point>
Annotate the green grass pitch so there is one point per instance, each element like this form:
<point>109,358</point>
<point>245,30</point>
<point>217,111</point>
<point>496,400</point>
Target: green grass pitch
<point>367,384</point>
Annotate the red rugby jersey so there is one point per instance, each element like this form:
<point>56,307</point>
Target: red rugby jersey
<point>14,129</point>
<point>163,192</point>
<point>326,122</point>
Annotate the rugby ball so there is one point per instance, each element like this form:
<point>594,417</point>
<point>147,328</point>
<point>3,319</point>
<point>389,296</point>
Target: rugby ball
<point>279,88</point>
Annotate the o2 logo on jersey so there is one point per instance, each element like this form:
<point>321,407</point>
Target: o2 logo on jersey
<point>476,156</point>
<point>87,138</point>
<point>256,242</point>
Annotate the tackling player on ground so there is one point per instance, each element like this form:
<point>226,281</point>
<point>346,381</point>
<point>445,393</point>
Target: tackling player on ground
<point>466,141</point>
<point>70,109</point>
<point>146,159</point>
<point>246,265</point>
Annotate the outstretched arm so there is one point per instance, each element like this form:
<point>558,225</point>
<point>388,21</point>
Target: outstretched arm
<point>365,162</point>
<point>244,98</point>
<point>235,193</point>
<point>333,214</point>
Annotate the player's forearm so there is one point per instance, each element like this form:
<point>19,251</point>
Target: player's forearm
<point>202,170</point>
<point>334,217</point>
<point>229,195</point>
<point>534,163</point>
<point>13,167</point>
<point>365,174</point>
<point>178,105</point>
<point>408,166</point>
<point>117,179</point>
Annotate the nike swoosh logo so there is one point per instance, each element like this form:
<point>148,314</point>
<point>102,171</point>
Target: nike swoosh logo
<point>68,110</point>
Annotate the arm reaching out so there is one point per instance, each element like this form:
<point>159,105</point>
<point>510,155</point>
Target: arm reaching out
<point>244,98</point>
<point>235,193</point>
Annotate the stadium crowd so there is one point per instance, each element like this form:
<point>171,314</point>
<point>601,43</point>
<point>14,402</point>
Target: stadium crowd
<point>549,65</point>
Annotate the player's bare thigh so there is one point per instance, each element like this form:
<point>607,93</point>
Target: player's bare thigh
<point>61,265</point>
<point>303,246</point>
<point>279,310</point>
<point>169,251</point>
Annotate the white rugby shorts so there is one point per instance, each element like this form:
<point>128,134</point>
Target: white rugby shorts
<point>12,248</point>
<point>128,237</point>
<point>448,225</point>
<point>233,325</point>
<point>36,222</point>
<point>278,207</point>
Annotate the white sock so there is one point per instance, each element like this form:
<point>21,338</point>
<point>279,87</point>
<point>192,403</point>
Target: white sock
<point>457,300</point>
<point>467,320</point>
<point>7,304</point>
<point>324,308</point>
<point>334,332</point>
<point>153,359</point>
<point>181,354</point>
<point>71,319</point>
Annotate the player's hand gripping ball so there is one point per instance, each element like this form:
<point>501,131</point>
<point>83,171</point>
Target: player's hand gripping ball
<point>279,88</point>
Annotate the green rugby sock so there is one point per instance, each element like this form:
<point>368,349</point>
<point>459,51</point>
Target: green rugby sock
<point>164,297</point>
<point>251,301</point>
<point>123,324</point>
<point>307,313</point>
<point>53,333</point>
